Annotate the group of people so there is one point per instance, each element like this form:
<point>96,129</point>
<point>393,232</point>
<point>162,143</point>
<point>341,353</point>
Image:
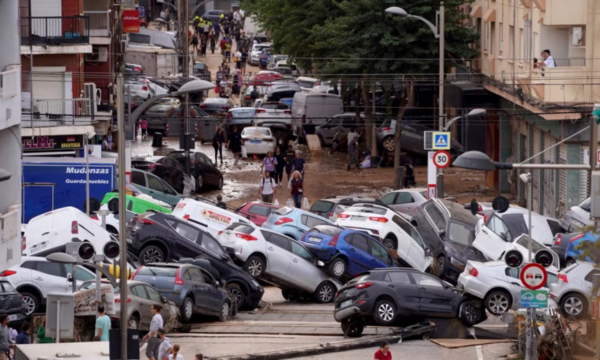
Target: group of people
<point>10,337</point>
<point>273,167</point>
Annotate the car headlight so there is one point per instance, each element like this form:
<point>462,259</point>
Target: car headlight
<point>457,264</point>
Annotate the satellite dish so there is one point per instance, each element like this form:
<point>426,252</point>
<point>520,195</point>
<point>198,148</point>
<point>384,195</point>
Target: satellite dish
<point>474,207</point>
<point>500,204</point>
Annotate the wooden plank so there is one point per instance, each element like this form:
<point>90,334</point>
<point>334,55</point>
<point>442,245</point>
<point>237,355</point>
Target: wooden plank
<point>460,343</point>
<point>313,142</point>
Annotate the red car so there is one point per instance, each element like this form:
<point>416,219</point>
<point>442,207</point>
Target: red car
<point>257,212</point>
<point>265,77</point>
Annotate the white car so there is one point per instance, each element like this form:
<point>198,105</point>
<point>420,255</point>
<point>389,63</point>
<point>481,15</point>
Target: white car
<point>56,228</point>
<point>258,140</point>
<point>405,200</point>
<point>573,289</point>
<point>522,244</point>
<point>35,277</point>
<point>112,219</point>
<point>279,260</point>
<point>577,217</point>
<point>497,284</point>
<point>306,83</point>
<point>274,115</point>
<point>393,231</point>
<point>255,52</point>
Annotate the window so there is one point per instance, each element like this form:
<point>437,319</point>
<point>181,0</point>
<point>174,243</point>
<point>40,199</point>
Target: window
<point>239,227</point>
<point>139,291</point>
<point>485,36</point>
<point>380,252</point>
<point>330,230</point>
<point>527,55</point>
<point>359,241</point>
<point>260,210</point>
<point>157,271</point>
<point>153,294</point>
<point>590,276</point>
<point>426,280</point>
<point>348,122</point>
<point>7,287</point>
<point>398,277</point>
<point>409,229</point>
<point>436,216</point>
<point>388,199</point>
<point>138,177</point>
<point>212,245</point>
<point>499,228</point>
<point>536,46</point>
<point>298,250</point>
<point>155,184</point>
<point>80,274</point>
<point>311,221</point>
<point>195,274</point>
<point>129,205</point>
<point>511,40</point>
<point>551,280</point>
<point>500,39</point>
<point>492,38</point>
<point>187,275</point>
<point>461,234</point>
<point>280,241</point>
<point>586,204</point>
<point>28,265</point>
<point>188,232</point>
<point>521,45</point>
<point>516,224</point>
<point>554,227</point>
<point>404,198</point>
<point>49,268</point>
<point>512,272</point>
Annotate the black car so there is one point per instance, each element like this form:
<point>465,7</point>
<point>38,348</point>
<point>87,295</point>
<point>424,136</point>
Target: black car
<point>190,287</point>
<point>561,243</point>
<point>448,230</point>
<point>12,304</point>
<point>158,237</point>
<point>401,297</point>
<point>331,206</point>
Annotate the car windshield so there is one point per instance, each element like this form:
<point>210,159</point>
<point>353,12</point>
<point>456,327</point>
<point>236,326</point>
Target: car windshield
<point>586,204</point>
<point>275,106</point>
<point>284,210</point>
<point>157,271</point>
<point>461,233</point>
<point>328,230</point>
<point>92,285</point>
<point>256,132</point>
<point>306,84</point>
<point>239,227</point>
<point>369,210</point>
<point>516,224</point>
<point>286,71</point>
<point>321,206</point>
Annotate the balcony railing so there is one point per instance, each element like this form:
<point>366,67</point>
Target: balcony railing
<point>56,112</point>
<point>558,84</point>
<point>9,83</point>
<point>55,30</point>
<point>99,22</point>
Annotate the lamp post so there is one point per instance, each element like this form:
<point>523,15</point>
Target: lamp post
<point>438,31</point>
<point>474,112</point>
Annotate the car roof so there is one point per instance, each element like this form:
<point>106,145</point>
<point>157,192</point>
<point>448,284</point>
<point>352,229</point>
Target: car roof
<point>172,265</point>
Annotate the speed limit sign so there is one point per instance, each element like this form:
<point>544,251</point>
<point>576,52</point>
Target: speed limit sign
<point>441,159</point>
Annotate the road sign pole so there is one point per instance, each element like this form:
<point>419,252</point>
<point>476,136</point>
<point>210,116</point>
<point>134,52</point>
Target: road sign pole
<point>431,172</point>
<point>528,336</point>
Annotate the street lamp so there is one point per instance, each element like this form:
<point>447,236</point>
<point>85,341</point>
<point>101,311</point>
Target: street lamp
<point>438,31</point>
<point>474,112</point>
<point>476,160</point>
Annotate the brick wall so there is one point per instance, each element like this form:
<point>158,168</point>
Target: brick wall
<point>72,62</point>
<point>99,73</point>
<point>72,7</point>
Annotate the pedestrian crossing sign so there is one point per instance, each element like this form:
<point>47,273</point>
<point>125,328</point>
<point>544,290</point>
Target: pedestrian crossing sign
<point>441,141</point>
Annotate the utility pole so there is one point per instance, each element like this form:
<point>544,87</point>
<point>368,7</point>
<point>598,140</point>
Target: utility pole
<point>185,70</point>
<point>441,115</point>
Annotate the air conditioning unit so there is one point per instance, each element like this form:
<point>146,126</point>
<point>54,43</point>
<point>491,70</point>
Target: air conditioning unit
<point>95,96</point>
<point>578,36</point>
<point>99,54</point>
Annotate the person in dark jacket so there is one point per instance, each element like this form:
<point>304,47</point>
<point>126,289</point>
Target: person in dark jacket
<point>235,143</point>
<point>218,141</point>
<point>220,202</point>
<point>280,167</point>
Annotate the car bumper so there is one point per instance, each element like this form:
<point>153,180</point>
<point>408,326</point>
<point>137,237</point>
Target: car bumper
<point>239,250</point>
<point>472,285</point>
<point>16,318</point>
<point>259,148</point>
<point>254,298</point>
<point>346,313</point>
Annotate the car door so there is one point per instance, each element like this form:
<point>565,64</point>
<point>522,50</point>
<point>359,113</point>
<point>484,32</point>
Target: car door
<point>380,257</point>
<point>279,256</point>
<point>308,222</point>
<point>407,293</point>
<point>389,198</point>
<point>416,255</point>
<point>435,299</point>
<point>437,224</point>
<point>138,178</point>
<point>50,278</point>
<point>303,270</point>
<point>158,191</point>
<point>358,251</point>
<point>156,299</point>
<point>214,173</point>
<point>145,305</point>
<point>404,203</point>
<point>329,129</point>
<point>204,303</point>
<point>513,281</point>
<point>185,245</point>
<point>494,238</point>
<point>404,240</point>
<point>214,293</point>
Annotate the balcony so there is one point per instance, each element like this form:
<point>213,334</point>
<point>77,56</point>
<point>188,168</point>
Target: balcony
<point>58,112</point>
<point>561,12</point>
<point>69,30</point>
<point>99,23</point>
<point>558,85</point>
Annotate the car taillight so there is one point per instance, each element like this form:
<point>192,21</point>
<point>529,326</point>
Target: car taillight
<point>330,214</point>
<point>186,217</point>
<point>143,220</point>
<point>94,217</point>
<point>287,112</point>
<point>203,106</point>
<point>260,111</point>
<point>343,216</point>
<point>229,115</point>
<point>145,88</point>
<point>178,280</point>
<point>23,244</point>
<point>558,240</point>
<point>363,285</point>
<point>386,129</point>
<point>334,241</point>
<point>74,227</point>
<point>220,232</point>
<point>136,271</point>
<point>378,219</point>
<point>7,273</point>
<point>118,300</point>
<point>246,237</point>
<point>283,220</point>
<point>563,277</point>
<point>575,238</point>
<point>152,166</point>
<point>473,272</point>
<point>485,219</point>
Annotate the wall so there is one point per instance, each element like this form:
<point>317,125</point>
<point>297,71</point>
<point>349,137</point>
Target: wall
<point>98,73</point>
<point>73,63</point>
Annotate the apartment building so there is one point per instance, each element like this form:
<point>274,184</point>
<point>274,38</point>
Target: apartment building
<point>537,106</point>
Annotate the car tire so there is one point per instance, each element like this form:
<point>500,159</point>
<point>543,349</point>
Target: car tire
<point>353,327</point>
<point>235,291</point>
<point>337,268</point>
<point>498,302</point>
<point>255,266</point>
<point>225,309</point>
<point>390,243</point>
<point>32,302</point>
<point>469,314</point>
<point>441,266</point>
<point>384,312</point>
<point>151,254</point>
<point>133,323</point>
<point>325,293</point>
<point>573,305</point>
<point>187,310</point>
<point>388,143</point>
<point>287,294</point>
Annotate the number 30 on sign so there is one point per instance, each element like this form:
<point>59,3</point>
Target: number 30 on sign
<point>441,159</point>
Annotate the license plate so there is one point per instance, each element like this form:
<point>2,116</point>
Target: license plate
<point>12,317</point>
<point>255,141</point>
<point>358,218</point>
<point>39,247</point>
<point>314,239</point>
<point>243,114</point>
<point>345,303</point>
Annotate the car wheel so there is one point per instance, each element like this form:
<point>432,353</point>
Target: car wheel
<point>353,327</point>
<point>32,303</point>
<point>255,266</point>
<point>224,315</point>
<point>573,305</point>
<point>133,322</point>
<point>199,183</point>
<point>187,310</point>
<point>236,292</point>
<point>388,143</point>
<point>441,264</point>
<point>569,262</point>
<point>286,294</point>
<point>152,254</point>
<point>498,302</point>
<point>390,243</point>
<point>385,312</point>
<point>324,293</point>
<point>337,267</point>
<point>469,314</point>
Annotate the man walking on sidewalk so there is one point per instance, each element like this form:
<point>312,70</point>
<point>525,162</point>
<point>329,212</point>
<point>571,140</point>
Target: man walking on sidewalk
<point>267,188</point>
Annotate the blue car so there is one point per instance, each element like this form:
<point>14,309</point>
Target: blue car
<point>574,253</point>
<point>346,252</point>
<point>293,222</point>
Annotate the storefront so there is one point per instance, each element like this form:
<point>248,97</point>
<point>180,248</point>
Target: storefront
<point>55,141</point>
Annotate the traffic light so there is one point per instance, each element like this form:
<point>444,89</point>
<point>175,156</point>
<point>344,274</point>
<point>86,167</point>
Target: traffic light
<point>513,258</point>
<point>111,250</point>
<point>544,258</point>
<point>86,251</point>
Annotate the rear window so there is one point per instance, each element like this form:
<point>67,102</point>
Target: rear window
<point>276,106</point>
<point>358,279</point>
<point>157,271</point>
<point>256,132</point>
<point>372,210</point>
<point>243,228</point>
<point>284,210</point>
<point>586,204</point>
<point>328,230</point>
<point>6,287</point>
<point>321,206</point>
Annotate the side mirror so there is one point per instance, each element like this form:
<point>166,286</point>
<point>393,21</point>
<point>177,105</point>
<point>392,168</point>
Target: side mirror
<point>320,263</point>
<point>427,252</point>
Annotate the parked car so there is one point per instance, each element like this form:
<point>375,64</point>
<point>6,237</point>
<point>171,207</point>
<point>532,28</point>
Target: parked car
<point>412,137</point>
<point>280,261</point>
<point>247,95</point>
<point>154,186</point>
<point>112,220</point>
<point>573,289</point>
<point>280,90</point>
<point>448,230</point>
<point>265,77</point>
<point>12,304</point>
<point>161,115</point>
<point>190,287</point>
<point>577,217</point>
<point>315,106</point>
<point>273,114</point>
<point>575,250</point>
<point>257,211</point>
<point>214,105</point>
<point>405,201</point>
<point>141,296</point>
<point>137,204</point>
<point>240,117</point>
<point>258,140</point>
<point>54,229</point>
<point>256,51</point>
<point>343,122</point>
<point>293,222</point>
<point>285,71</point>
<point>35,277</point>
<point>201,71</point>
<point>274,59</point>
<point>207,215</point>
<point>289,101</point>
<point>346,252</point>
<point>389,297</point>
<point>331,206</point>
<point>306,83</point>
<point>497,284</point>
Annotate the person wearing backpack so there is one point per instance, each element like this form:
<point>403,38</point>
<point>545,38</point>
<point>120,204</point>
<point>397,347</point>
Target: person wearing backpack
<point>270,165</point>
<point>267,188</point>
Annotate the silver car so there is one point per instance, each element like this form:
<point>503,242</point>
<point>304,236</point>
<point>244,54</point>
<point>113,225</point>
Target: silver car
<point>412,137</point>
<point>140,298</point>
<point>255,52</point>
<point>577,217</point>
<point>573,289</point>
<point>344,122</point>
<point>405,200</point>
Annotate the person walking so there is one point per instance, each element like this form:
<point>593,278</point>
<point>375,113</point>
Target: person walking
<point>280,168</point>
<point>217,144</point>
<point>195,42</point>
<point>299,163</point>
<point>152,336</point>
<point>290,155</point>
<point>144,126</point>
<point>270,164</point>
<point>23,337</point>
<point>244,60</point>
<point>5,343</point>
<point>102,324</point>
<point>213,40</point>
<point>383,353</point>
<point>228,51</point>
<point>353,154</point>
<point>203,44</point>
<point>235,143</point>
<point>41,333</point>
<point>175,355</point>
<point>266,191</point>
<point>297,189</point>
<point>165,345</point>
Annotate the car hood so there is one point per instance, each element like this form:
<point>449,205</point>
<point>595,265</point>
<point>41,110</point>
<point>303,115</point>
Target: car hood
<point>463,252</point>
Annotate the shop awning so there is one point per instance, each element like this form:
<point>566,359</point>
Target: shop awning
<point>490,15</point>
<point>476,12</point>
<point>57,130</point>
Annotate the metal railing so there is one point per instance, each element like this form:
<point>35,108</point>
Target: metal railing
<point>99,22</point>
<point>54,112</point>
<point>9,83</point>
<point>55,30</point>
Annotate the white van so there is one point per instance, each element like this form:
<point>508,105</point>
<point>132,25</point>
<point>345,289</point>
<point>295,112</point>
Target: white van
<point>206,215</point>
<point>59,227</point>
<point>317,107</point>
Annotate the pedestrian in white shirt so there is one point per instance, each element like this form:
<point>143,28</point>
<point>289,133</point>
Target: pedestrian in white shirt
<point>152,336</point>
<point>165,346</point>
<point>267,188</point>
<point>175,353</point>
<point>548,59</point>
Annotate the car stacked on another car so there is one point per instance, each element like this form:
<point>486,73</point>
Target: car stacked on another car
<point>405,201</point>
<point>577,217</point>
<point>331,206</point>
<point>257,211</point>
<point>573,289</point>
<point>12,304</point>
<point>293,222</point>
